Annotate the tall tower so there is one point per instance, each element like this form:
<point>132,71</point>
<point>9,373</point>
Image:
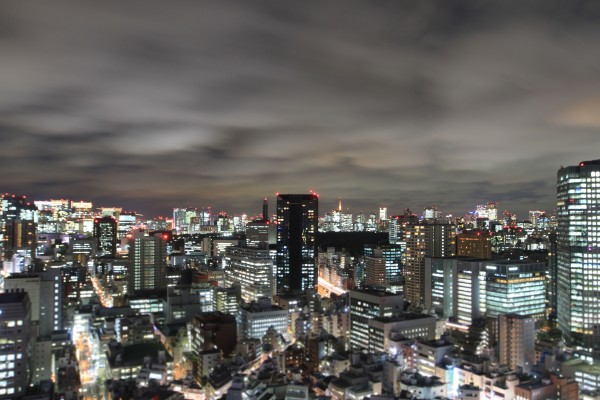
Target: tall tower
<point>18,223</point>
<point>105,230</point>
<point>265,214</point>
<point>423,240</point>
<point>147,262</point>
<point>578,253</point>
<point>297,221</point>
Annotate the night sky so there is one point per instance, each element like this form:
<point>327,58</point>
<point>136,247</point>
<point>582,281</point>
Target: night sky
<point>151,106</point>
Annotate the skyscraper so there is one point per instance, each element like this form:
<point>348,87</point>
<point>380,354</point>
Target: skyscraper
<point>147,262</point>
<point>578,253</point>
<point>105,231</point>
<point>18,221</point>
<point>297,221</point>
<point>423,240</point>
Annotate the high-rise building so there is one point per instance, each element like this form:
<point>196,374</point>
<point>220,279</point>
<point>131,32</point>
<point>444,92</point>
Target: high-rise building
<point>297,222</point>
<point>257,317</point>
<point>368,304</point>
<point>265,210</point>
<point>516,341</point>
<point>251,270</point>
<point>18,222</point>
<point>474,244</point>
<point>423,240</point>
<point>105,231</point>
<point>383,265</point>
<point>45,297</point>
<point>515,287</point>
<point>127,221</point>
<point>260,234</point>
<point>15,330</point>
<point>147,262</point>
<point>578,253</point>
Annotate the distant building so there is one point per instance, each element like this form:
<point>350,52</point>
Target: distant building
<point>476,244</point>
<point>383,265</point>
<point>423,240</point>
<point>147,262</point>
<point>252,270</point>
<point>257,317</point>
<point>18,222</point>
<point>105,232</point>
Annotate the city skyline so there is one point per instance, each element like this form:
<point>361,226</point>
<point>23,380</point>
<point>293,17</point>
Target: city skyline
<point>431,105</point>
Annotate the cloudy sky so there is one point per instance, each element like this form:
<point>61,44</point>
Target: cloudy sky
<point>151,106</point>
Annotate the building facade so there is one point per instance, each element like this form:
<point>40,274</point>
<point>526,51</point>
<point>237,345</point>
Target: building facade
<point>578,253</point>
<point>297,224</point>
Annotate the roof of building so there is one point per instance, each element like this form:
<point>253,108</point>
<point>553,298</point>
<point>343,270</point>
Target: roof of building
<point>12,297</point>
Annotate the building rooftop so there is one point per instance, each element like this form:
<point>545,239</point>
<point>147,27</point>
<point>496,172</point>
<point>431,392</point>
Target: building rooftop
<point>376,292</point>
<point>402,317</point>
<point>12,297</point>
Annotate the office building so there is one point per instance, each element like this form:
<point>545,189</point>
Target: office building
<point>383,331</point>
<point>423,240</point>
<point>578,255</point>
<point>18,222</point>
<point>127,221</point>
<point>456,287</point>
<point>214,330</point>
<point>515,287</point>
<point>105,232</point>
<point>147,262</point>
<point>15,331</point>
<point>297,222</point>
<point>383,265</point>
<point>257,317</point>
<point>368,304</point>
<point>476,244</point>
<point>227,300</point>
<point>252,270</point>
<point>516,341</point>
<point>260,234</point>
<point>45,294</point>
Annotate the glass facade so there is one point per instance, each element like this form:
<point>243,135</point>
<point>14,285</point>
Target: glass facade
<point>578,253</point>
<point>515,287</point>
<point>297,223</point>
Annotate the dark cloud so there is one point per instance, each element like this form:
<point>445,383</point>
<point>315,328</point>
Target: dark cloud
<point>405,104</point>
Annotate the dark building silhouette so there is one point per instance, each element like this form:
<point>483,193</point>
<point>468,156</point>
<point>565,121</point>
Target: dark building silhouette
<point>297,224</point>
<point>105,231</point>
<point>18,222</point>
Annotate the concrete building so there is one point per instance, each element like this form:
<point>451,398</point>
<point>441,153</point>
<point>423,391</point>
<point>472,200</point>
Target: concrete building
<point>257,317</point>
<point>382,330</point>
<point>423,240</point>
<point>297,222</point>
<point>250,269</point>
<point>578,237</point>
<point>368,304</point>
<point>477,244</point>
<point>15,331</point>
<point>516,341</point>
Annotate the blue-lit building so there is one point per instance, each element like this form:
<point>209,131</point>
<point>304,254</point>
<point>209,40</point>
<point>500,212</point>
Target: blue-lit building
<point>515,287</point>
